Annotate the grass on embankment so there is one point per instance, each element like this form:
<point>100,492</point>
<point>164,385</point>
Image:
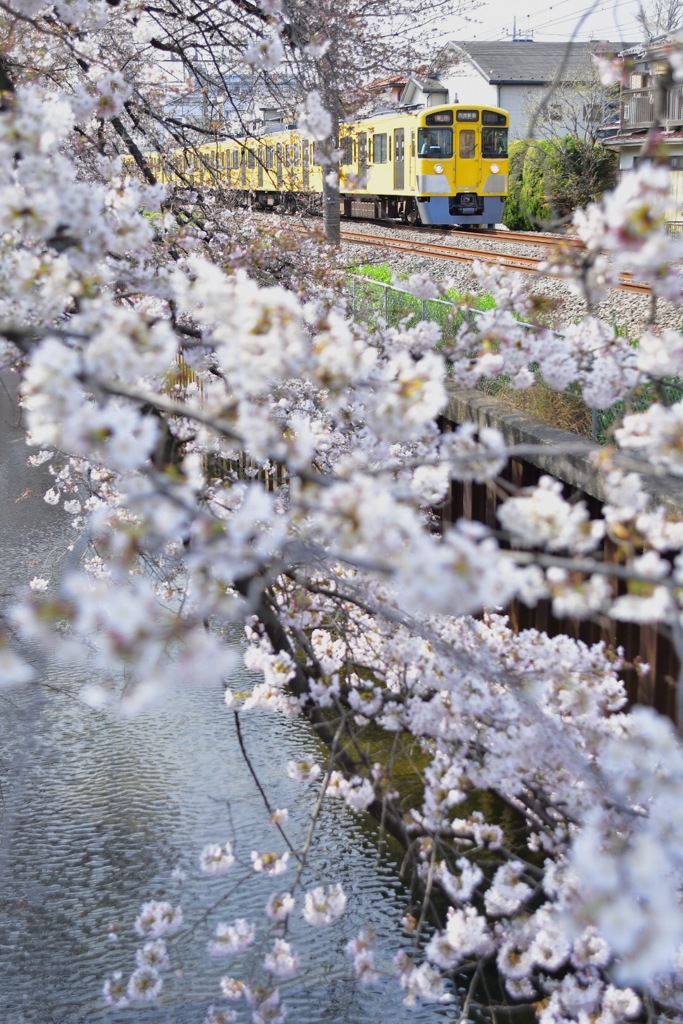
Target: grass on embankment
<point>566,410</point>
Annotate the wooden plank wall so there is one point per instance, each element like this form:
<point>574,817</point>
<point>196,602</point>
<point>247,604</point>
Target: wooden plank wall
<point>650,646</point>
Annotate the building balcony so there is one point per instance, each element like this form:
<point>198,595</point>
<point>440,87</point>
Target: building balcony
<point>639,106</point>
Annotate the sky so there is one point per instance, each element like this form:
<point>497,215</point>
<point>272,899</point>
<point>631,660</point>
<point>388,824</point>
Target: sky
<point>551,20</point>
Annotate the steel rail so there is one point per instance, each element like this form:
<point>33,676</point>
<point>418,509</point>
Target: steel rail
<point>460,254</point>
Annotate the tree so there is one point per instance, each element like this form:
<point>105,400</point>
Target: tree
<point>551,179</point>
<point>291,51</point>
<point>660,17</point>
<point>149,358</point>
<point>563,166</point>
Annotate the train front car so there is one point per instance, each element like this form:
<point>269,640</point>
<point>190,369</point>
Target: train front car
<point>462,165</point>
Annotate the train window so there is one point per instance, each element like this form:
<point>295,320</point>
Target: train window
<point>442,117</point>
<point>270,158</point>
<point>467,115</point>
<point>494,142</point>
<point>235,158</point>
<point>435,143</point>
<point>466,143</point>
<point>493,117</point>
<point>347,149</point>
<point>379,149</point>
<point>251,158</point>
<point>297,155</point>
<point>412,143</point>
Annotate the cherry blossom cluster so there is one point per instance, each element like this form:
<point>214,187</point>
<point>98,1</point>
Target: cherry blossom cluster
<point>154,348</point>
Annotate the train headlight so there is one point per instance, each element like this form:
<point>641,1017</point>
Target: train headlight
<point>438,168</point>
<point>494,168</point>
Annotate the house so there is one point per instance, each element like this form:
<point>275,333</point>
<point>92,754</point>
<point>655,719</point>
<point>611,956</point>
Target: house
<point>517,75</point>
<point>649,97</point>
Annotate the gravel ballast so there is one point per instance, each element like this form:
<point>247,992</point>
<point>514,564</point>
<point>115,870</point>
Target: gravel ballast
<point>623,309</point>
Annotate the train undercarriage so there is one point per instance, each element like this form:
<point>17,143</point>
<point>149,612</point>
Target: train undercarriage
<point>461,209</point>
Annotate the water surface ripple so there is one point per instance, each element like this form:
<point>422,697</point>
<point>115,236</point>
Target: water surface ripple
<point>98,810</point>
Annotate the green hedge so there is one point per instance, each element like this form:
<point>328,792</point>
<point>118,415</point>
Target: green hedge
<point>551,178</point>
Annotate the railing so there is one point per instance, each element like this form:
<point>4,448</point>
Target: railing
<point>372,301</point>
<point>639,107</point>
<point>643,644</point>
<point>674,105</point>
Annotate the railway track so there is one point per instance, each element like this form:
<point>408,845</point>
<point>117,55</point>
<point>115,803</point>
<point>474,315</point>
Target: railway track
<point>518,237</point>
<point>461,254</point>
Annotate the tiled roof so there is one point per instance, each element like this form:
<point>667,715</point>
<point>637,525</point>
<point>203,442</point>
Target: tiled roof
<point>400,78</point>
<point>640,136</point>
<point>506,61</point>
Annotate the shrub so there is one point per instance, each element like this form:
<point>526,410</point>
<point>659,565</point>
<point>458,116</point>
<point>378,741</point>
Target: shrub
<point>551,178</point>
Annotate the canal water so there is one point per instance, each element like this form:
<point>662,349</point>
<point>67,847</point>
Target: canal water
<point>97,811</point>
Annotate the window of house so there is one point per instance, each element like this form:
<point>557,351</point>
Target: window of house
<point>379,149</point>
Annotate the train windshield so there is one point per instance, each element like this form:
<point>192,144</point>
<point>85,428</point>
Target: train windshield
<point>494,142</point>
<point>435,143</point>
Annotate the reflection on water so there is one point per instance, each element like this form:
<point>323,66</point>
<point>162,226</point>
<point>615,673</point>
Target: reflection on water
<point>97,811</point>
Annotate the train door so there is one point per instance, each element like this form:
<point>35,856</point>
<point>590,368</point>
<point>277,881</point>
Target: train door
<point>399,159</point>
<point>411,161</point>
<point>468,162</point>
<point>363,158</point>
<point>306,163</point>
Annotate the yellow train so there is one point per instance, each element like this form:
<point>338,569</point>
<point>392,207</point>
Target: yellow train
<point>439,165</point>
